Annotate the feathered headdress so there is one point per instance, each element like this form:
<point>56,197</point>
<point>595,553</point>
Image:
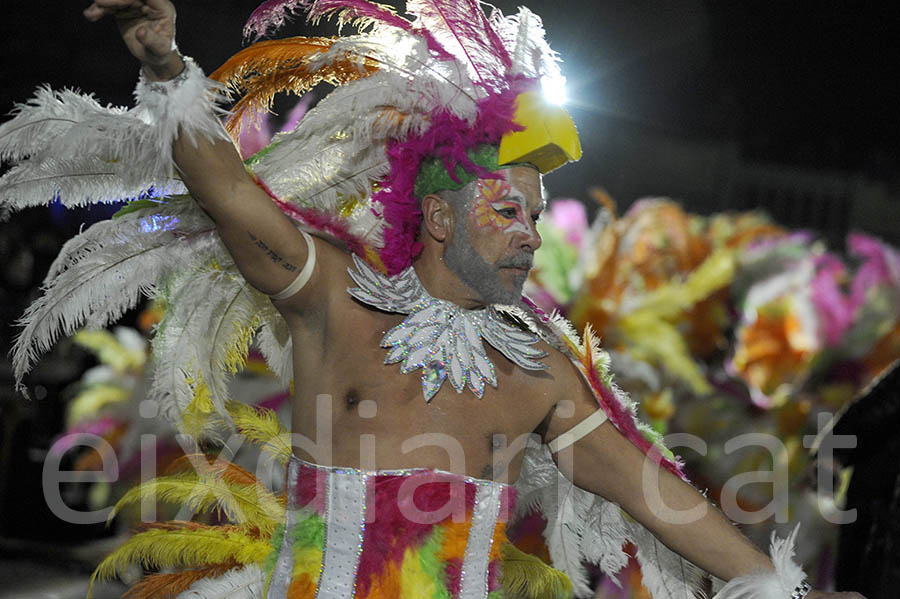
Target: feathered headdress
<point>435,85</point>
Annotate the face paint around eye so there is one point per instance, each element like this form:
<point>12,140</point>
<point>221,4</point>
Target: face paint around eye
<point>490,191</point>
<point>490,206</point>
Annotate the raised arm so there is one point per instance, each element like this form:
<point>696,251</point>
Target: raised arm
<point>604,462</point>
<point>266,246</point>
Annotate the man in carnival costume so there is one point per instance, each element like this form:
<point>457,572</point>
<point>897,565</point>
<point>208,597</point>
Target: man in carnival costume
<point>398,219</point>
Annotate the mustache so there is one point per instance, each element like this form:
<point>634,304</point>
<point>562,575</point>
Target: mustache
<point>518,261</point>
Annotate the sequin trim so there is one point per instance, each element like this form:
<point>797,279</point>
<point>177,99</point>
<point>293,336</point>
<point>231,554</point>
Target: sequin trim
<point>395,472</point>
<point>439,337</point>
<point>474,576</point>
<point>284,565</point>
<point>344,526</point>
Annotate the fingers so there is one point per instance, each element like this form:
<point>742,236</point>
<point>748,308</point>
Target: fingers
<point>101,8</point>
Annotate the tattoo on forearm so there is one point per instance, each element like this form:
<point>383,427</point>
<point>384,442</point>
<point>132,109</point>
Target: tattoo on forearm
<point>274,257</point>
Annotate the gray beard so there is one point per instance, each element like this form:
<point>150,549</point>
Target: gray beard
<point>479,274</point>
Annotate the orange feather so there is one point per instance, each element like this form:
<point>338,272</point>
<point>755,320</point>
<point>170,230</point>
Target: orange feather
<point>456,535</point>
<point>302,587</point>
<point>229,471</point>
<point>168,586</point>
<point>273,66</point>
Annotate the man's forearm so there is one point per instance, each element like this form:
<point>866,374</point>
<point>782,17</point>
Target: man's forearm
<point>688,524</point>
<point>674,511</point>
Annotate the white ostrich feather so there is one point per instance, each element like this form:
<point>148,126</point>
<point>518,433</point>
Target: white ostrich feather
<point>66,145</point>
<point>524,36</point>
<point>666,574</point>
<point>324,178</point>
<point>766,584</point>
<point>74,181</point>
<point>204,337</point>
<point>325,140</point>
<point>605,531</point>
<point>541,485</point>
<point>583,527</point>
<point>181,217</point>
<point>565,510</point>
<point>39,122</point>
<point>406,57</point>
<point>102,273</point>
<point>245,583</point>
<point>538,472</point>
<point>274,342</point>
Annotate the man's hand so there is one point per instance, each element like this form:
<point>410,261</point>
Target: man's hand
<point>823,595</point>
<point>148,30</point>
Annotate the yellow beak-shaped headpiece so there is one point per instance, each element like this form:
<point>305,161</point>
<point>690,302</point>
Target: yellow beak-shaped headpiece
<point>549,139</point>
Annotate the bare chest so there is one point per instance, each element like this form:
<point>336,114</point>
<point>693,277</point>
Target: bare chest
<point>378,415</point>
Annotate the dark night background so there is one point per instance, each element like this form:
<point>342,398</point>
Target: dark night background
<point>799,84</point>
<point>790,106</point>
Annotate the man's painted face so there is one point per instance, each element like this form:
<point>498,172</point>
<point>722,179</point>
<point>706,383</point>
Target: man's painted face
<point>493,243</point>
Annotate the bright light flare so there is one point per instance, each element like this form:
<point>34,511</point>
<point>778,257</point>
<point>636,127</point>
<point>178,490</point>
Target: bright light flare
<point>554,90</point>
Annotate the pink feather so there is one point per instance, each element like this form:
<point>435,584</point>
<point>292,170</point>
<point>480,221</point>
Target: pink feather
<point>493,576</point>
<point>269,16</point>
<point>348,11</point>
<point>309,492</point>
<point>453,576</point>
<point>835,310</point>
<point>448,138</point>
<point>881,265</point>
<point>465,23</point>
<point>74,434</point>
<point>320,221</point>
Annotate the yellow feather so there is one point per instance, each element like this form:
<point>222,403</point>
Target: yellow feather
<point>249,505</point>
<point>189,547</point>
<point>414,580</point>
<point>93,399</point>
<point>262,428</point>
<point>526,577</point>
<point>110,351</point>
<point>197,414</point>
<point>651,330</point>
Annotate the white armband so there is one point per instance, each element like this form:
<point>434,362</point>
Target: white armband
<point>578,431</point>
<point>304,275</point>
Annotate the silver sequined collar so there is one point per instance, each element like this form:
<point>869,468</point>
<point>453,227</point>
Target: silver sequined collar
<point>441,338</point>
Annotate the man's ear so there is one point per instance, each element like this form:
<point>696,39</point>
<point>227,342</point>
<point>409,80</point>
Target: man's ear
<point>437,216</point>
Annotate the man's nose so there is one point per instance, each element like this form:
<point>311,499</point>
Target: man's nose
<point>532,240</point>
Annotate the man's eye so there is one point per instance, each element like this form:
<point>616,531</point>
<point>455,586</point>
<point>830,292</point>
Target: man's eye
<point>536,217</point>
<point>507,212</point>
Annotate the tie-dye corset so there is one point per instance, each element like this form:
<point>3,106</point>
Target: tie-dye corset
<point>388,534</point>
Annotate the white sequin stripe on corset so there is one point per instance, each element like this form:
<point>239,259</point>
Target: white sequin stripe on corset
<point>474,582</point>
<point>345,519</point>
<point>345,514</point>
<point>281,575</point>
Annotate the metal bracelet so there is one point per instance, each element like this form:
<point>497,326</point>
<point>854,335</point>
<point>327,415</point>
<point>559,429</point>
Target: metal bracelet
<point>163,87</point>
<point>801,590</point>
